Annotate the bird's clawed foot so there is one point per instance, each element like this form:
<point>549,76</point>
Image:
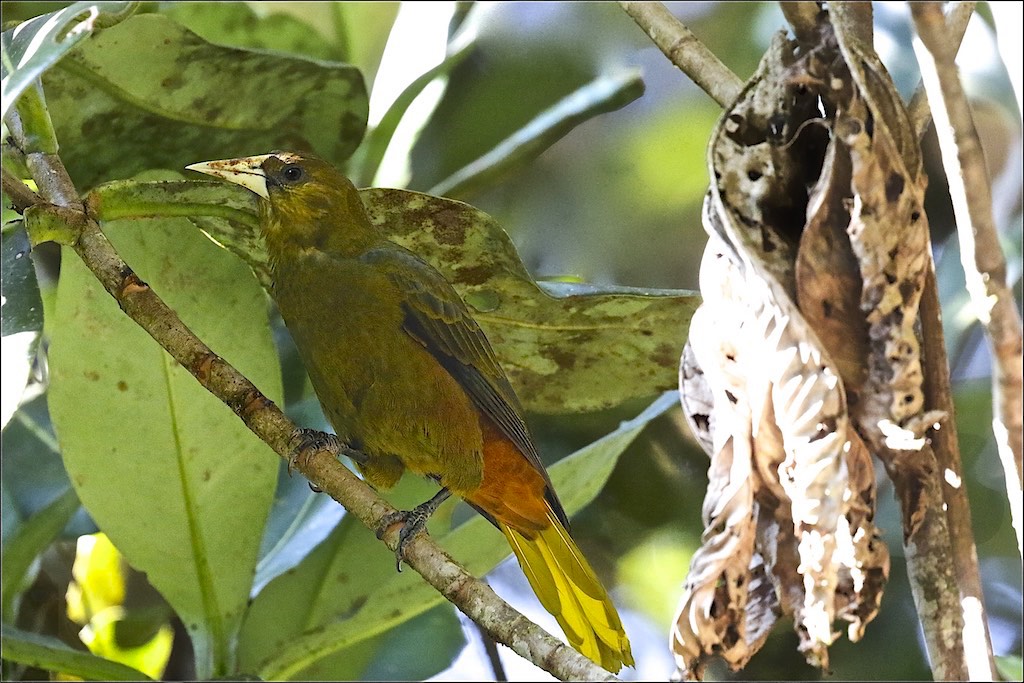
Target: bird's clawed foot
<point>413,521</point>
<point>305,442</point>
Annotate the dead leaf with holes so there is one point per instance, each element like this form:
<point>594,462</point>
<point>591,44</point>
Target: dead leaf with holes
<point>775,353</point>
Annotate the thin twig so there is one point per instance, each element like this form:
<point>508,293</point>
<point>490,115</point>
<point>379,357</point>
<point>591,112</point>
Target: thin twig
<point>981,255</point>
<point>686,51</point>
<point>20,194</point>
<point>266,420</point>
<point>957,17</point>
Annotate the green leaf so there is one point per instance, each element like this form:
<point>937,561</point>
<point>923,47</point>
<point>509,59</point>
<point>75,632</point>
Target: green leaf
<point>186,198</point>
<point>225,213</point>
<point>26,543</point>
<point>331,583</point>
<point>149,81</point>
<point>123,618</point>
<point>363,28</point>
<point>347,590</point>
<point>45,652</point>
<point>566,347</point>
<point>299,521</point>
<point>176,481</point>
<point>10,517</point>
<point>149,657</point>
<point>1010,667</point>
<point>21,319</point>
<point>371,153</point>
<point>238,25</point>
<point>34,46</point>
<point>32,470</point>
<point>605,94</point>
<point>440,627</point>
<point>584,349</point>
<point>22,307</point>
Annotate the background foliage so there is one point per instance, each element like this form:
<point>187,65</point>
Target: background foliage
<point>612,200</point>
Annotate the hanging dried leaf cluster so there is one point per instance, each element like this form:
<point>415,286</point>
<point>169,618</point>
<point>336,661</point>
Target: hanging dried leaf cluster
<point>803,360</point>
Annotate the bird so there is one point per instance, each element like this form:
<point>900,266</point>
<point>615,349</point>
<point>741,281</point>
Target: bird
<point>408,379</point>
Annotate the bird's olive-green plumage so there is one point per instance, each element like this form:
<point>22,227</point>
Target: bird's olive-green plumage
<point>406,376</point>
<point>380,391</point>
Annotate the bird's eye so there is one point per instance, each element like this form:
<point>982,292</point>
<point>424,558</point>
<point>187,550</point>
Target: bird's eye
<point>292,173</point>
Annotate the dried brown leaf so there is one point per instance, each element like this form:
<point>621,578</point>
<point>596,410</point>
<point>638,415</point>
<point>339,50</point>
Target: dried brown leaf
<point>827,275</point>
<point>777,372</point>
<point>698,403</point>
<point>711,616</point>
<point>863,556</point>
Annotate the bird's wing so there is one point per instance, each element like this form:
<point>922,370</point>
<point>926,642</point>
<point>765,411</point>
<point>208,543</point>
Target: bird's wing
<point>436,316</point>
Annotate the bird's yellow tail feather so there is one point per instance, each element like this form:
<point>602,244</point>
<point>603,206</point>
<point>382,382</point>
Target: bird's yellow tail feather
<point>568,588</point>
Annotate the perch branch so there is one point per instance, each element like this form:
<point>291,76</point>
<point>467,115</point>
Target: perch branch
<point>686,51</point>
<point>981,255</point>
<point>472,596</point>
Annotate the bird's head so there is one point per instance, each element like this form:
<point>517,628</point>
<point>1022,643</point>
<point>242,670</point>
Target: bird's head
<point>304,200</point>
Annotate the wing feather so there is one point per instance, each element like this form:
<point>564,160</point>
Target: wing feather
<point>437,317</point>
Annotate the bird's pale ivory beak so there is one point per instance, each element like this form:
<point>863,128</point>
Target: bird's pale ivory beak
<point>247,172</point>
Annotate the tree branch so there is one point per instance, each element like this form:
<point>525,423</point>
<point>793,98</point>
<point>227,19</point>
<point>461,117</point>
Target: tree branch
<point>21,195</point>
<point>957,18</point>
<point>472,596</point>
<point>31,130</point>
<point>686,51</point>
<point>938,392</point>
<point>981,255</point>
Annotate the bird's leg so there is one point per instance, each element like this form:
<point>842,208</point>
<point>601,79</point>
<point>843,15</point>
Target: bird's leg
<point>413,521</point>
<point>308,441</point>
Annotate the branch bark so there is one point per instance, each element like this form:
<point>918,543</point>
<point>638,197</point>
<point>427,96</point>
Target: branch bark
<point>957,18</point>
<point>472,596</point>
<point>686,51</point>
<point>981,255</point>
<point>976,639</point>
